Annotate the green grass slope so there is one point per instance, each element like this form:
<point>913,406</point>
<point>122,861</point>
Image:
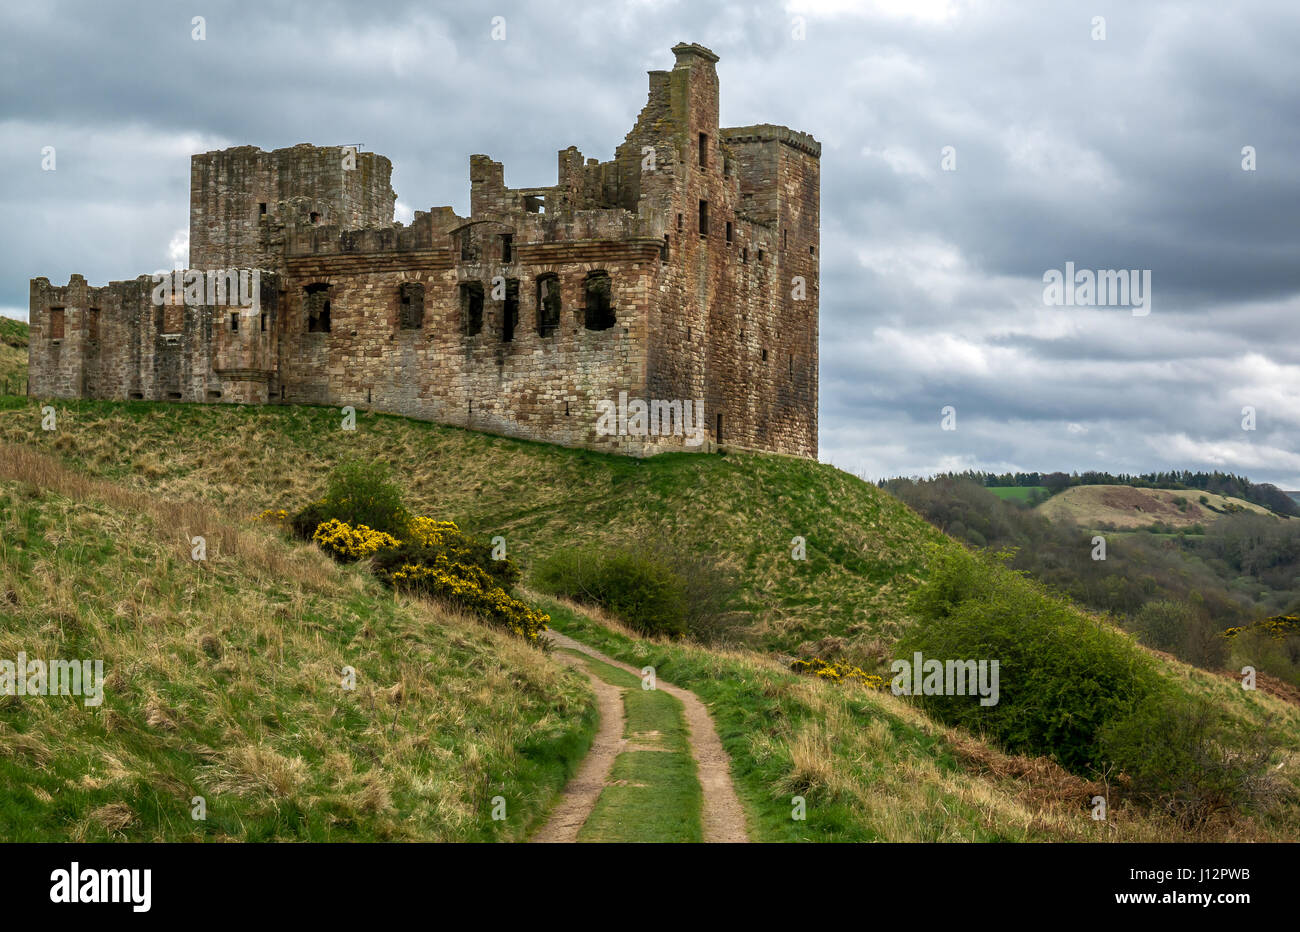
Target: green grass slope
<point>224,679</point>
<point>865,549</point>
<point>879,767</point>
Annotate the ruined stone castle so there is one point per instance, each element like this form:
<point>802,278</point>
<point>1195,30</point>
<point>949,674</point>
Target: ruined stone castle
<point>684,269</point>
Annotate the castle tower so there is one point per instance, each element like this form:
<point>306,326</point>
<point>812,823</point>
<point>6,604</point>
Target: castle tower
<point>239,195</point>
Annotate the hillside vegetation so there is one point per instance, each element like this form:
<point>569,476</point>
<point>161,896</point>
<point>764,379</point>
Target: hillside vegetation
<point>13,355</point>
<point>225,680</point>
<point>1179,590</point>
<point>870,765</point>
<point>1125,507</point>
<point>865,550</point>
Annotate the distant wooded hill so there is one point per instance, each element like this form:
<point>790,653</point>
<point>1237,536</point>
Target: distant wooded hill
<point>1222,483</point>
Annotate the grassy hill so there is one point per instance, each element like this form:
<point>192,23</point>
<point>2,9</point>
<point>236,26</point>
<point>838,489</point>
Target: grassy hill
<point>1125,507</point>
<point>13,354</point>
<point>865,549</point>
<point>225,681</point>
<point>231,660</point>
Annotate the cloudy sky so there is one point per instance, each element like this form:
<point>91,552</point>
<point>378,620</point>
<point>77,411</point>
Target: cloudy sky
<point>1117,153</point>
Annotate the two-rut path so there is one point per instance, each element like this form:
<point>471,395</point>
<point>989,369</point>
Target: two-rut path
<point>721,817</point>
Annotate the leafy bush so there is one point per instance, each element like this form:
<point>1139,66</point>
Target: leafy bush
<point>1182,629</point>
<point>306,519</point>
<point>1201,765</point>
<point>426,540</point>
<point>640,588</point>
<point>1163,623</point>
<point>1062,675</point>
<point>357,493</point>
<point>439,560</point>
<point>362,516</point>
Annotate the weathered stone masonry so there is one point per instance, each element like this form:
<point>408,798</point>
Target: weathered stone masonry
<point>685,268</point>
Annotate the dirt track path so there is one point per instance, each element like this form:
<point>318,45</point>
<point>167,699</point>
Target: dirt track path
<point>724,820</point>
<point>581,792</point>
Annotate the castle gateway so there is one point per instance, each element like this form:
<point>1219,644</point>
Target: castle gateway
<point>685,269</point>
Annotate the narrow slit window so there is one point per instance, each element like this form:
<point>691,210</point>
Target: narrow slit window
<point>704,150</point>
<point>704,218</point>
<point>510,311</point>
<point>411,305</point>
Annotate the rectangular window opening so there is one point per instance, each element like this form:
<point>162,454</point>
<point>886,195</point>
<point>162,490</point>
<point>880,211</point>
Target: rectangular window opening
<point>471,306</point>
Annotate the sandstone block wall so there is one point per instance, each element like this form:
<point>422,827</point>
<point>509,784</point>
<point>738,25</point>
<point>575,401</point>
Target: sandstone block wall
<point>685,268</point>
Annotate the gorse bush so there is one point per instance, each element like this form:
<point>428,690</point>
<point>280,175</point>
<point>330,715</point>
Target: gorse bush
<point>642,590</point>
<point>439,560</point>
<point>362,517</point>
<point>469,587</point>
<point>347,543</point>
<point>1063,676</point>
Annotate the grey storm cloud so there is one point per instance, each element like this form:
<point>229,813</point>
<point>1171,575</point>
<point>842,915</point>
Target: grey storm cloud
<point>1115,154</point>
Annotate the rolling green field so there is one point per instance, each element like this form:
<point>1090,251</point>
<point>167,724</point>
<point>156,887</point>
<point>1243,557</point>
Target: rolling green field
<point>1018,493</point>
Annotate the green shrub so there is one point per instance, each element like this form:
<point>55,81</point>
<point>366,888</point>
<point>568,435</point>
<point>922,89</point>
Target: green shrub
<point>1163,623</point>
<point>306,519</point>
<point>639,588</point>
<point>1183,630</point>
<point>425,540</point>
<point>1062,675</point>
<point>358,493</point>
<point>1181,755</point>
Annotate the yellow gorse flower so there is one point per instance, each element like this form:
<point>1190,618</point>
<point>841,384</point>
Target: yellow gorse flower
<point>837,672</point>
<point>346,542</point>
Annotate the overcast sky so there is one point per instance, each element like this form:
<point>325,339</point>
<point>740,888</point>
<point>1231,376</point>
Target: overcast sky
<point>1115,153</point>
